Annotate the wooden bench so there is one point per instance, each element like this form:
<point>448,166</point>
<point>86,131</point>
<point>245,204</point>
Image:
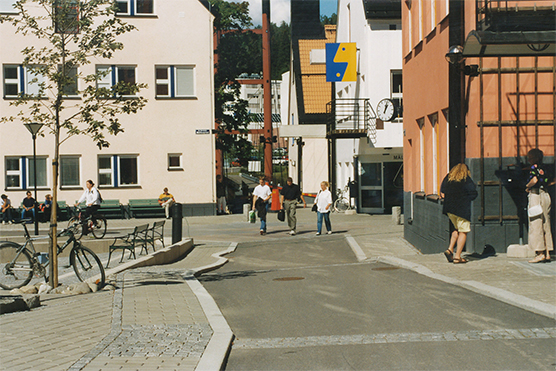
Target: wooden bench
<point>137,238</point>
<point>156,233</point>
<point>141,208</point>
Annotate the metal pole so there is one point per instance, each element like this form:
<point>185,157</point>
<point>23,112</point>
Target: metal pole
<point>35,209</point>
<point>267,93</point>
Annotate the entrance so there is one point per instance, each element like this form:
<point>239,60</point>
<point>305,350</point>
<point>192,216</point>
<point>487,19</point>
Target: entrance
<point>380,186</point>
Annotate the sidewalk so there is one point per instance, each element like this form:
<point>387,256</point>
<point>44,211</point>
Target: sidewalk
<point>161,317</point>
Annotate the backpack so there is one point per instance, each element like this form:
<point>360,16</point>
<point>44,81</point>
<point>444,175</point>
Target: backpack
<point>99,196</point>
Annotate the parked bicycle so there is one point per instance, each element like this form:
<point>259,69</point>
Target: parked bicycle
<point>19,263</point>
<point>95,223</point>
<point>342,202</point>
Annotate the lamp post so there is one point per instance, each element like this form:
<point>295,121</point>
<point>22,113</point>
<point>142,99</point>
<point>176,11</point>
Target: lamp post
<point>34,128</point>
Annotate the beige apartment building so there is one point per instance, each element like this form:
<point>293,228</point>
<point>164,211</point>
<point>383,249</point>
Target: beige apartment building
<point>166,144</point>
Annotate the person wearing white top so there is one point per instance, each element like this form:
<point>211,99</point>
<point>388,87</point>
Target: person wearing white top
<point>323,202</point>
<point>261,197</point>
<point>92,199</point>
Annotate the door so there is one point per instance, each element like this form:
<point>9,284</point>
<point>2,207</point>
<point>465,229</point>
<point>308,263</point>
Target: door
<point>381,186</point>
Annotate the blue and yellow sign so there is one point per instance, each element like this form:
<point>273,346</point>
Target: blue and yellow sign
<point>341,62</point>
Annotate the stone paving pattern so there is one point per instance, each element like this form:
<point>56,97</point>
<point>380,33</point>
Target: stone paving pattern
<point>154,321</point>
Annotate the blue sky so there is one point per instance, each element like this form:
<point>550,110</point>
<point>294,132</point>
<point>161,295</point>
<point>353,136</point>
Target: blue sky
<point>280,10</point>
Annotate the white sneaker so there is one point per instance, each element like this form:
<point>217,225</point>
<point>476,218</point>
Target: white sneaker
<point>318,234</point>
<point>3,222</point>
<point>292,233</point>
<point>329,232</point>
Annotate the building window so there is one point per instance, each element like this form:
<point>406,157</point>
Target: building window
<point>118,171</point>
<point>69,171</point>
<point>7,6</point>
<point>135,7</point>
<point>174,161</point>
<point>109,76</point>
<point>66,16</point>
<point>20,173</point>
<point>396,90</point>
<point>22,80</point>
<point>175,81</point>
<point>14,179</point>
<point>70,88</point>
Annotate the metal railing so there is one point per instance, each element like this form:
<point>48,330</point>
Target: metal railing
<point>351,116</point>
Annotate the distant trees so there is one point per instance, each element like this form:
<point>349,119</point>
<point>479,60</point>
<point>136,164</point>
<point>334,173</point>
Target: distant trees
<point>333,19</point>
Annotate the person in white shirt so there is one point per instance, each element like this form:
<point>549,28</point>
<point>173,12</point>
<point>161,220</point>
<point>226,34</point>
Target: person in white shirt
<point>261,197</point>
<point>92,199</point>
<point>323,202</point>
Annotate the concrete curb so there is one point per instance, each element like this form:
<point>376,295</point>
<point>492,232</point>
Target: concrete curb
<point>221,341</point>
<point>163,256</point>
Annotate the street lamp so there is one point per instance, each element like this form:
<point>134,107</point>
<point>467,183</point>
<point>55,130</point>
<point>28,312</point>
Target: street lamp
<point>34,128</point>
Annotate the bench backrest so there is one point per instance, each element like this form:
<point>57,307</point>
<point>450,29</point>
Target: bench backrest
<point>110,203</point>
<point>148,202</point>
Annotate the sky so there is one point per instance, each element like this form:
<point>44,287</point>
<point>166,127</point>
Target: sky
<point>280,10</point>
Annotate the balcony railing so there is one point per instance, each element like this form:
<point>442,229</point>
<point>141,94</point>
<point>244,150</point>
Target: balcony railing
<point>351,118</point>
<point>515,15</point>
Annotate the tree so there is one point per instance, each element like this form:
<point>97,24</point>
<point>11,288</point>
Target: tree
<point>64,36</point>
<point>333,19</point>
<point>237,51</point>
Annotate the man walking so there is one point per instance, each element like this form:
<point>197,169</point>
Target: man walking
<point>261,198</point>
<point>289,195</point>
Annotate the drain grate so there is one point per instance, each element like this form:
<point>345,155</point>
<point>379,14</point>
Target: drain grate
<point>289,279</point>
<point>385,268</point>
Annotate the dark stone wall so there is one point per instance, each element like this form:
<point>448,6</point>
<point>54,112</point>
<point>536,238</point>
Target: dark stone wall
<point>429,230</point>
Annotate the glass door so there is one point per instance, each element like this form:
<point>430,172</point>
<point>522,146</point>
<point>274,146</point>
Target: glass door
<point>371,187</point>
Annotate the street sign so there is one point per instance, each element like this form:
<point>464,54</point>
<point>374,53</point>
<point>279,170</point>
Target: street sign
<point>341,62</point>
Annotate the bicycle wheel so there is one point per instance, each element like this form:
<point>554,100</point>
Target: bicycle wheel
<point>16,266</point>
<point>87,265</point>
<point>99,227</point>
<point>341,205</point>
<point>77,227</point>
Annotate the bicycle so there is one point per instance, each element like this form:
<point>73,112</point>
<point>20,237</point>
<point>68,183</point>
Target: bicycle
<point>342,202</point>
<point>18,263</point>
<point>96,223</point>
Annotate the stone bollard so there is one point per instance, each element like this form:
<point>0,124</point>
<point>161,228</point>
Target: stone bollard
<point>397,215</point>
<point>246,209</point>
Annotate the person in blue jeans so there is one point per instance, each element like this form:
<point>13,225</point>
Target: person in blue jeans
<point>323,202</point>
<point>261,198</point>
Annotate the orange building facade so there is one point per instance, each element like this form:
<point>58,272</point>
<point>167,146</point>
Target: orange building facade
<point>487,108</point>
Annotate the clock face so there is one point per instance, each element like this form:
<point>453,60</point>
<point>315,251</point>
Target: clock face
<point>385,110</point>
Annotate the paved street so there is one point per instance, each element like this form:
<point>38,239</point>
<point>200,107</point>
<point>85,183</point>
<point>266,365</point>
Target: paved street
<point>309,304</point>
<point>364,290</point>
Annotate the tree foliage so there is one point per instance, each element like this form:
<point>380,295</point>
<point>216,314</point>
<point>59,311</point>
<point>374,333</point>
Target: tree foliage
<point>69,34</point>
<point>63,36</point>
<point>333,19</point>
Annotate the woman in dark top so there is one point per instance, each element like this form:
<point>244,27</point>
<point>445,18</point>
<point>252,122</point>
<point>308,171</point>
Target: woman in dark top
<point>458,190</point>
<point>540,236</point>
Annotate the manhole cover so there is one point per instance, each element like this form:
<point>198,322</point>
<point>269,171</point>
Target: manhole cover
<point>289,279</point>
<point>385,268</point>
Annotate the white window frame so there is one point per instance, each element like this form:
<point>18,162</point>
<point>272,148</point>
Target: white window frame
<point>18,172</point>
<point>180,165</point>
<point>78,183</point>
<point>116,171</point>
<point>111,78</point>
<point>173,83</point>
<point>132,8</point>
<point>25,83</point>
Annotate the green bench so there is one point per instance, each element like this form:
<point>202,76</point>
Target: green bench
<point>146,208</point>
<point>111,209</point>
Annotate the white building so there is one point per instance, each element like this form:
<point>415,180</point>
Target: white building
<point>167,144</point>
<point>374,161</point>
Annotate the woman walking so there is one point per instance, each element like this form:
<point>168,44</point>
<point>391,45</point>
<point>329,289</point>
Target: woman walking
<point>458,190</point>
<point>540,236</point>
<point>323,202</point>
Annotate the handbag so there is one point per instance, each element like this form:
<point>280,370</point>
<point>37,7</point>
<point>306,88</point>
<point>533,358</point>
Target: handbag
<point>252,216</point>
<point>281,215</point>
<point>315,208</point>
<point>534,211</point>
